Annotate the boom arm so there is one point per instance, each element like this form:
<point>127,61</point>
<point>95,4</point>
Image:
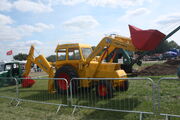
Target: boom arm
<point>111,43</point>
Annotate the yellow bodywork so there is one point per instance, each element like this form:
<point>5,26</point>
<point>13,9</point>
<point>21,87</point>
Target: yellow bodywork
<point>89,67</point>
<point>42,62</point>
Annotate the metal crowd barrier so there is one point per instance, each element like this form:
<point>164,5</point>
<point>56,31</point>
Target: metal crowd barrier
<point>8,87</point>
<point>38,93</point>
<point>143,96</point>
<point>139,94</point>
<point>169,97</point>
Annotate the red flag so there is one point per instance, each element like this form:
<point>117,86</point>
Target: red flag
<point>10,52</point>
<point>145,39</point>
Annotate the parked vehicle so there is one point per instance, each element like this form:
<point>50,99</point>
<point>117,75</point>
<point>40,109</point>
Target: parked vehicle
<point>11,70</point>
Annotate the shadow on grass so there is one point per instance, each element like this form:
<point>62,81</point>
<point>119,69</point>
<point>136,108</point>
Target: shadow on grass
<point>123,104</point>
<point>43,96</point>
<point>118,102</point>
<point>9,89</point>
<point>86,99</point>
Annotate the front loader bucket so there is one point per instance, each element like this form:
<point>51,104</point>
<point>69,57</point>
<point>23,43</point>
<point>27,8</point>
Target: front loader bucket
<point>145,39</point>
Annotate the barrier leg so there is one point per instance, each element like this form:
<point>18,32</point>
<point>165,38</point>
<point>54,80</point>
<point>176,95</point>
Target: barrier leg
<point>59,107</point>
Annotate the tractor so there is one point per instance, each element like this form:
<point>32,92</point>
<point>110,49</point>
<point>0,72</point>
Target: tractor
<point>11,70</point>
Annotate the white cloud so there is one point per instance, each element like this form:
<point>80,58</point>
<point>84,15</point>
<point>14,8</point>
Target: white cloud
<point>70,2</point>
<point>5,19</point>
<point>33,42</point>
<point>25,6</point>
<point>46,5</point>
<point>135,13</point>
<point>80,23</point>
<point>103,3</point>
<point>25,44</point>
<point>29,29</point>
<point>10,33</point>
<point>30,6</point>
<point>167,23</point>
<point>115,3</point>
<point>168,19</point>
<point>41,26</point>
<point>5,5</point>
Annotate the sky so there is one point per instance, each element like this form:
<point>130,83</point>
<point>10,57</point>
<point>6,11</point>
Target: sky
<point>47,23</point>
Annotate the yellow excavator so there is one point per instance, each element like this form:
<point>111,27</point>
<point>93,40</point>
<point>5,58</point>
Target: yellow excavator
<point>80,61</point>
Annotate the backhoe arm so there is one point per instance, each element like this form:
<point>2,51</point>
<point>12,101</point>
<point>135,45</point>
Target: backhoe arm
<point>42,62</point>
<point>30,60</point>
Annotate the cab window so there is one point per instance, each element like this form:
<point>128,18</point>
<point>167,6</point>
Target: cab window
<point>73,54</point>
<point>61,54</point>
<point>86,52</point>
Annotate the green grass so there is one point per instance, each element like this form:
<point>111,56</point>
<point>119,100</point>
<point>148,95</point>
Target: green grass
<point>137,98</point>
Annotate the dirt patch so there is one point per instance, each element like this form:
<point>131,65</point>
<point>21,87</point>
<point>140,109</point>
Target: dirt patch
<point>167,68</point>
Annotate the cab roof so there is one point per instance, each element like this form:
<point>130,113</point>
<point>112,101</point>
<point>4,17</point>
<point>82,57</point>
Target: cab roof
<point>72,45</point>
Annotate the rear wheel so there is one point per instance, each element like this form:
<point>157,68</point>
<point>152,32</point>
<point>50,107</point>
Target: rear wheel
<point>67,72</point>
<point>104,89</point>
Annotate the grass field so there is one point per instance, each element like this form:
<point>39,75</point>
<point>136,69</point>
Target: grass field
<point>137,98</point>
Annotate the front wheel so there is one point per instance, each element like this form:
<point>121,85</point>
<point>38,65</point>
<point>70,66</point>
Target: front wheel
<point>66,72</point>
<point>104,89</point>
<point>123,87</point>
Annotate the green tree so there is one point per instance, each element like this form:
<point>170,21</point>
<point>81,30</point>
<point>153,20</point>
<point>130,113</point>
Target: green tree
<point>163,47</point>
<point>166,46</point>
<point>20,57</point>
<point>173,44</point>
<point>51,58</point>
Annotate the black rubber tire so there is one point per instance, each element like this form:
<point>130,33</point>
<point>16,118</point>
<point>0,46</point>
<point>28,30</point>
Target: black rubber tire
<point>124,87</point>
<point>84,92</point>
<point>71,72</point>
<point>108,88</point>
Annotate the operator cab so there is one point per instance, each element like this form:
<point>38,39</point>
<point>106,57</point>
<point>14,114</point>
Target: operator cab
<point>73,51</point>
